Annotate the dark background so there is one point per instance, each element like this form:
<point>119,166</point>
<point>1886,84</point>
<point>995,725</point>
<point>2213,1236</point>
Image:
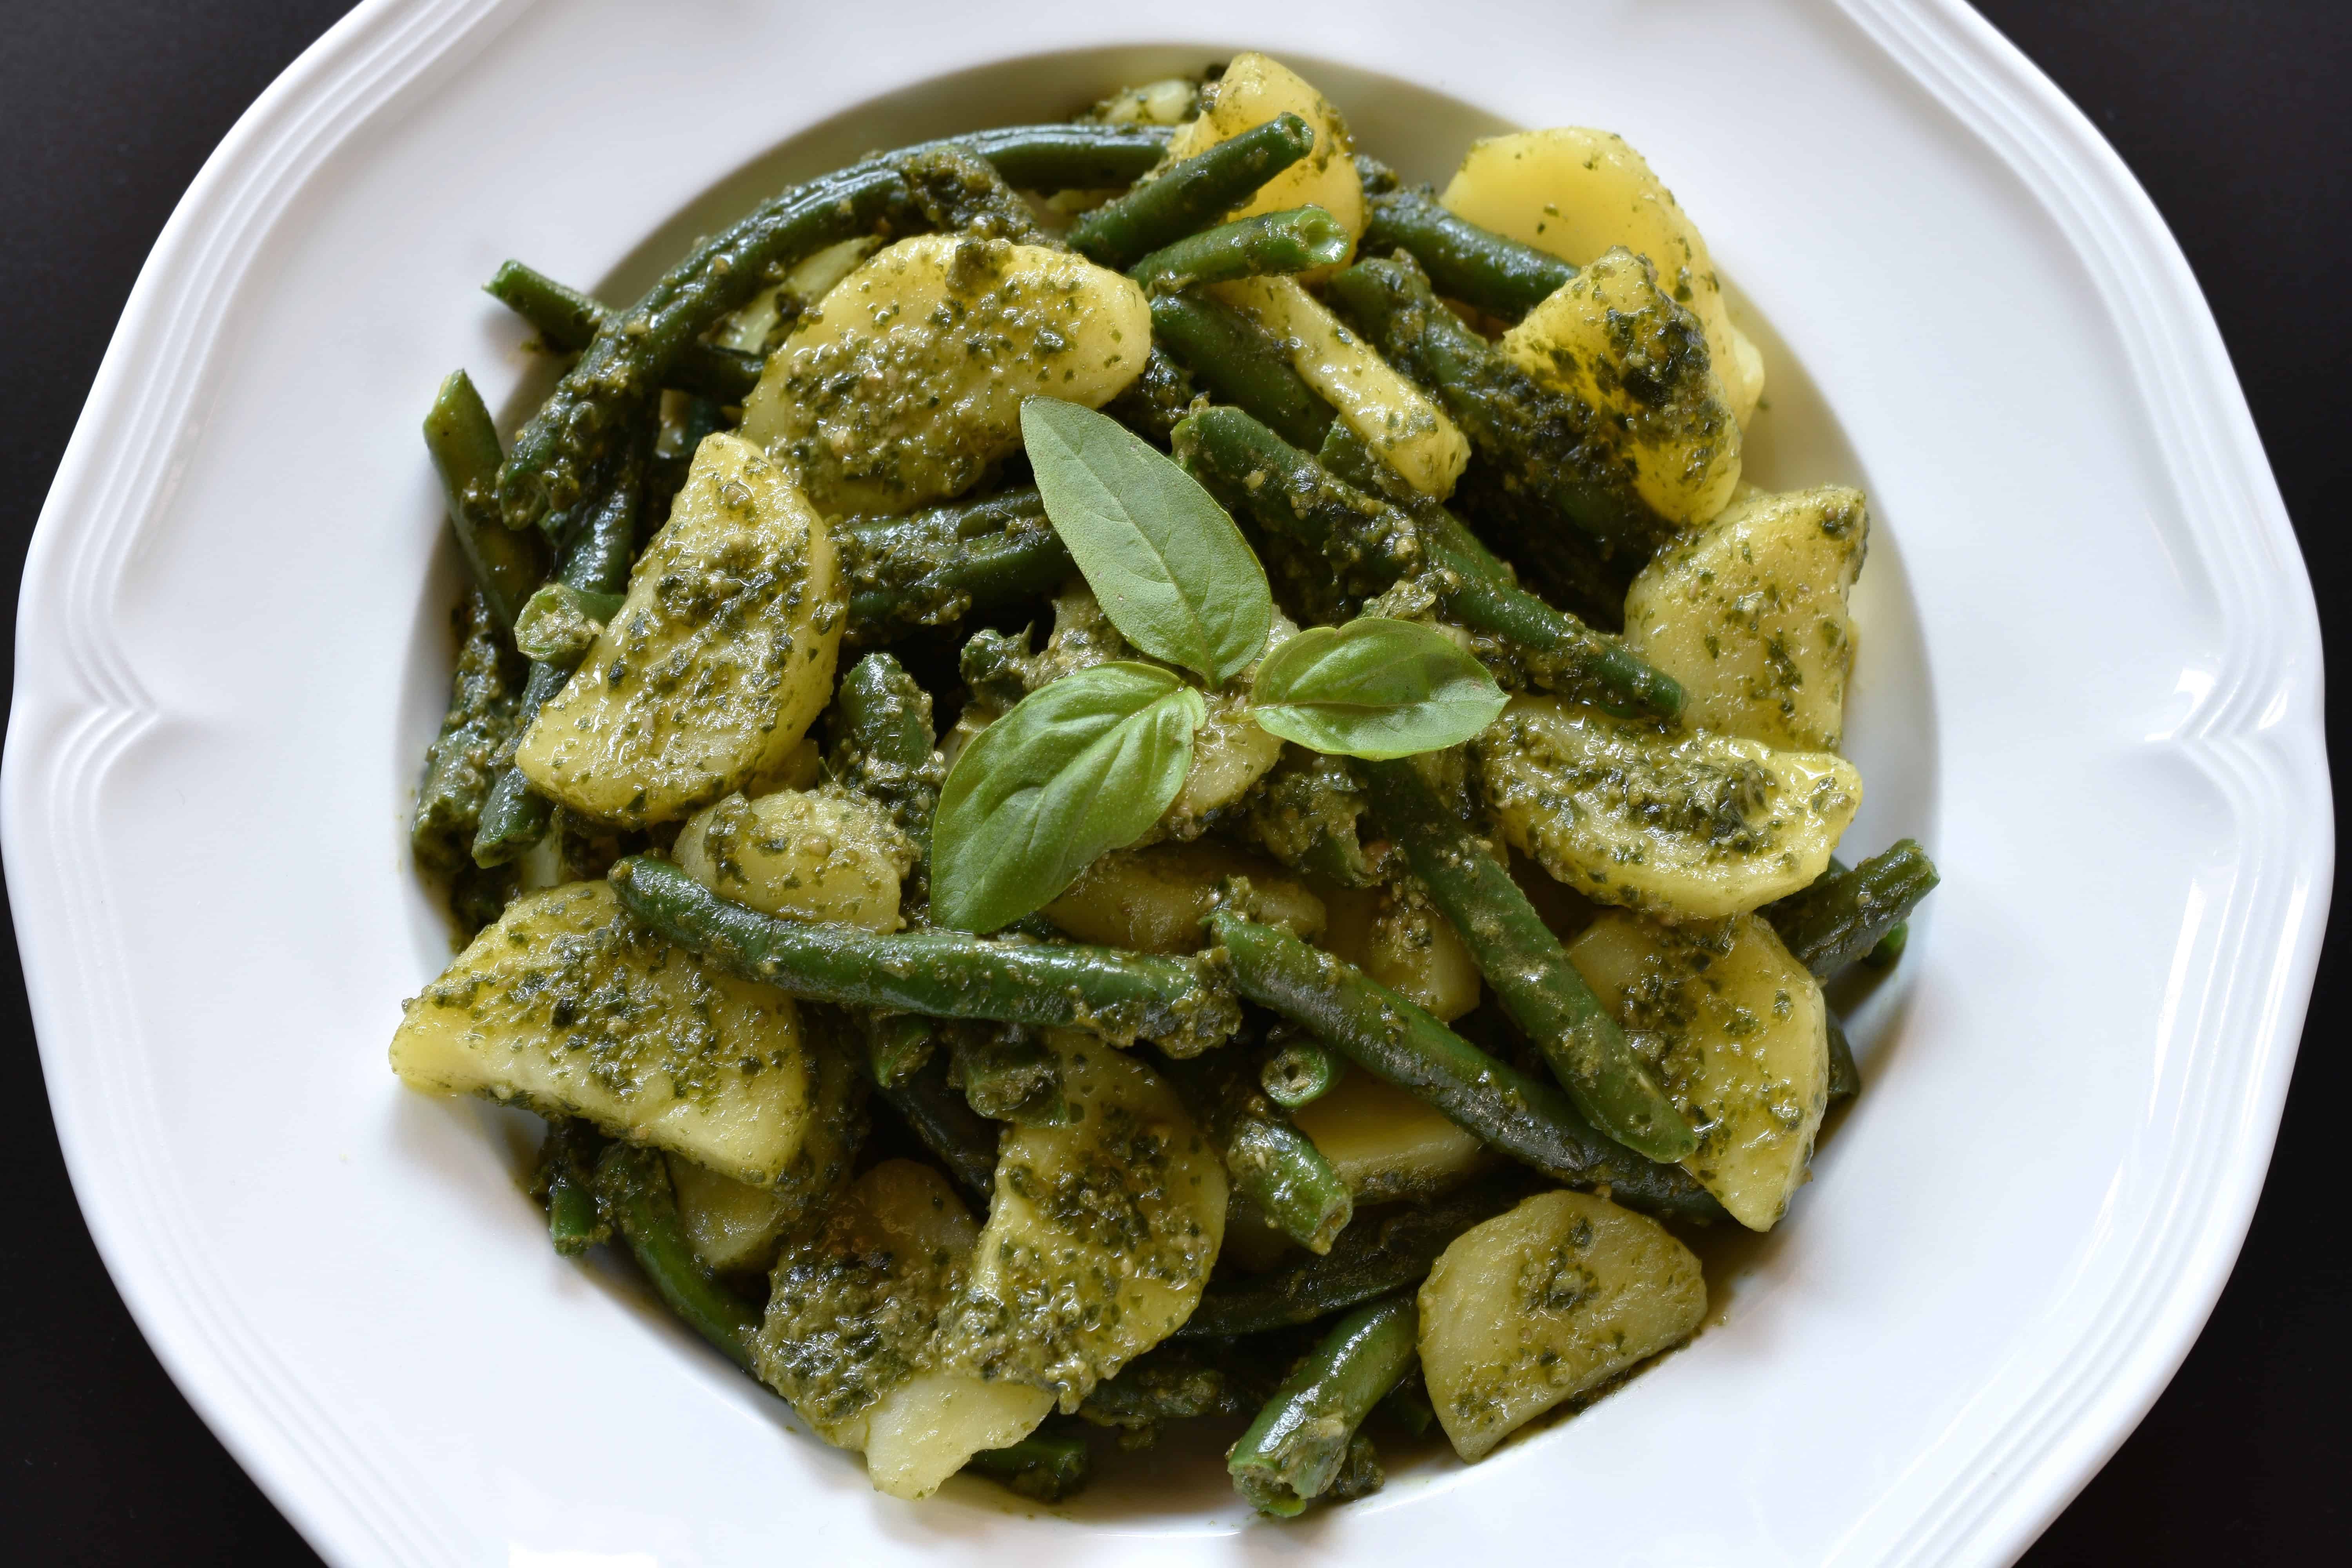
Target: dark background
<point>2236,116</point>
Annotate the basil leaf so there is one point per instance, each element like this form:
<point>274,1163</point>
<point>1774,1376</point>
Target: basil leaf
<point>1376,688</point>
<point>1172,572</point>
<point>1077,767</point>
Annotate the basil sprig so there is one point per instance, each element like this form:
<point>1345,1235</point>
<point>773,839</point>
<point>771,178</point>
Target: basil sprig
<point>1374,688</point>
<point>1165,561</point>
<point>1076,768</point>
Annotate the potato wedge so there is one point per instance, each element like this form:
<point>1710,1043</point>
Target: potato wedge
<point>1614,338</point>
<point>1681,826</point>
<point>1576,193</point>
<point>1545,1303</point>
<point>1750,615</point>
<point>716,664</point>
<point>906,384</point>
<point>1405,945</point>
<point>1153,900</point>
<point>1386,1143</point>
<point>569,1008</point>
<point>1254,90</point>
<point>1100,1235</point>
<point>1740,1038</point>
<point>824,854</point>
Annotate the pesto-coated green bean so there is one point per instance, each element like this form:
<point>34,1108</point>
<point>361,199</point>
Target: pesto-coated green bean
<point>1269,1162</point>
<point>463,758</point>
<point>1182,1380</point>
<point>1189,194</point>
<point>1889,950</point>
<point>1184,1004</point>
<point>1047,1465</point>
<point>1007,1074</point>
<point>896,1045</point>
<point>567,320</point>
<point>1548,450</point>
<point>1296,1447</point>
<point>564,1176</point>
<point>559,624</point>
<point>1393,1038</point>
<point>934,568</point>
<point>1464,261</point>
<point>632,1184</point>
<point>1846,913</point>
<point>1386,1250</point>
<point>1527,966</point>
<point>1153,401</point>
<point>1293,240</point>
<point>1300,1069</point>
<point>505,565</point>
<point>1236,361</point>
<point>935,1112</point>
<point>1846,1078</point>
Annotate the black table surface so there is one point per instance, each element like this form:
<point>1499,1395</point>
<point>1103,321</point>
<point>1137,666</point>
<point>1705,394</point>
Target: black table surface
<point>2236,116</point>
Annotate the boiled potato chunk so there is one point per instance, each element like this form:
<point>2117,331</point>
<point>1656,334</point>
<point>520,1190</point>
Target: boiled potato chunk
<point>1390,414</point>
<point>1387,1144</point>
<point>1255,89</point>
<point>1101,1233</point>
<point>1545,1303</point>
<point>731,1225</point>
<point>851,1336</point>
<point>1681,826</point>
<point>1750,615</point>
<point>1153,900</point>
<point>906,383</point>
<point>717,661</point>
<point>1405,945</point>
<point>1612,337</point>
<point>570,1008</point>
<point>1741,1038</point>
<point>1576,193</point>
<point>1230,753</point>
<point>824,854</point>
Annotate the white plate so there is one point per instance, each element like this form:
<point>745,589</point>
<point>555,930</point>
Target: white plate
<point>2091,681</point>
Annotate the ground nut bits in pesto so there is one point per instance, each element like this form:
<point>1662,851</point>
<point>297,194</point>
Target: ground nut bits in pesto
<point>1148,981</point>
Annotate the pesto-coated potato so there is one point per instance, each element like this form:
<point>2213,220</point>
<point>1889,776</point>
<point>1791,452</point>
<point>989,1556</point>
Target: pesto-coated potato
<point>906,383</point>
<point>1682,825</point>
<point>1153,900</point>
<point>851,1334</point>
<point>1405,945</point>
<point>717,662</point>
<point>567,1007</point>
<point>1391,415</point>
<point>1740,1037</point>
<point>1255,89</point>
<point>1750,615</point>
<point>1576,193</point>
<point>1614,337</point>
<point>733,1225</point>
<point>1100,1235</point>
<point>824,854</point>
<point>1388,1143</point>
<point>1544,1303</point>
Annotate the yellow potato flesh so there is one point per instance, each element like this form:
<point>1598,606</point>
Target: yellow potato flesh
<point>818,855</point>
<point>1254,90</point>
<point>1153,900</point>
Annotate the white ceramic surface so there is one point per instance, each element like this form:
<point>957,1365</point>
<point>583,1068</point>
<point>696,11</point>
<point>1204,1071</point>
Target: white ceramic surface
<point>2091,683</point>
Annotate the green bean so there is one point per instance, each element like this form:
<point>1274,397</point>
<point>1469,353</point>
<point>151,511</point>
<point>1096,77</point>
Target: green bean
<point>940,185</point>
<point>936,566</point>
<point>565,1176</point>
<point>1889,950</point>
<point>1184,1004</point>
<point>1047,1465</point>
<point>460,763</point>
<point>1398,1041</point>
<point>1176,1381</point>
<point>505,565</point>
<point>567,320</point>
<point>634,1185</point>
<point>1385,1251</point>
<point>665,471</point>
<point>596,560</point>
<point>1309,815</point>
<point>1007,1074</point>
<point>1296,1447</point>
<point>1154,401</point>
<point>1293,240</point>
<point>1238,362</point>
<point>1528,968</point>
<point>1249,467</point>
<point>1073,157</point>
<point>940,1117</point>
<point>1845,914</point>
<point>1269,1162</point>
<point>1407,1405</point>
<point>1547,449</point>
<point>896,1045</point>
<point>1189,194</point>
<point>1300,1069</point>
<point>1846,1078</point>
<point>1465,262</point>
<point>1553,650</point>
<point>882,749</point>
<point>559,624</point>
